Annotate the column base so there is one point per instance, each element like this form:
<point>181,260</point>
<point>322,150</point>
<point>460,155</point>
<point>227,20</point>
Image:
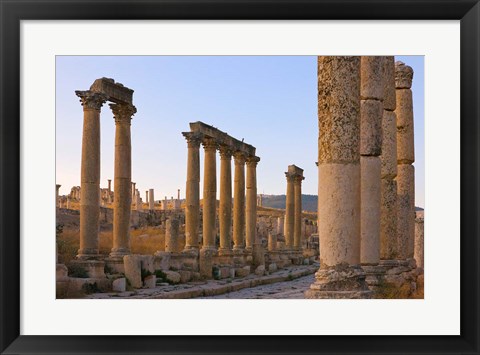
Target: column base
<point>88,254</point>
<point>119,253</point>
<point>373,274</point>
<point>340,282</point>
<point>225,252</point>
<point>94,268</point>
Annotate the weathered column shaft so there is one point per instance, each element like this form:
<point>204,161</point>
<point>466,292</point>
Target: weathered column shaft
<point>405,158</point>
<point>171,236</point>
<point>90,173</point>
<point>151,200</point>
<point>122,179</point>
<point>192,199</point>
<point>371,113</point>
<point>280,225</point>
<point>297,233</point>
<point>289,212</point>
<point>272,242</point>
<point>419,235</point>
<point>388,224</point>
<point>239,202</point>
<point>251,202</point>
<point>225,208</point>
<point>209,194</point>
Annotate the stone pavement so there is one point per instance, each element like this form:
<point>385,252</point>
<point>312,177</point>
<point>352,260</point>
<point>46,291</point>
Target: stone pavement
<point>283,278</point>
<point>280,290</point>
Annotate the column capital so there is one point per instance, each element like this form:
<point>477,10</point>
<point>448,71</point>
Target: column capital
<point>209,144</point>
<point>403,76</point>
<point>252,160</point>
<point>239,158</point>
<point>290,177</point>
<point>91,100</point>
<point>193,139</point>
<point>122,113</point>
<point>298,179</point>
<point>226,151</point>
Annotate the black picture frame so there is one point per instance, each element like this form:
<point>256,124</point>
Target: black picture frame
<point>13,11</point>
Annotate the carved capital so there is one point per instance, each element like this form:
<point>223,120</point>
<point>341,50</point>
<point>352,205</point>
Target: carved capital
<point>193,139</point>
<point>91,100</point>
<point>239,158</point>
<point>290,177</point>
<point>403,76</point>
<point>298,179</point>
<point>225,152</point>
<point>122,113</point>
<point>209,144</point>
<point>252,161</point>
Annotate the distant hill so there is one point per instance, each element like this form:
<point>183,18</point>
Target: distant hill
<point>309,202</point>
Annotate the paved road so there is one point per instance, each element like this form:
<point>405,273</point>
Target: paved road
<point>287,289</point>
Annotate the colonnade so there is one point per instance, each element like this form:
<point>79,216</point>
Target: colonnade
<point>244,191</point>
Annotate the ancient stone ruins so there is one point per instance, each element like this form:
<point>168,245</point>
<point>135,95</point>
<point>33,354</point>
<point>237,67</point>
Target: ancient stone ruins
<point>366,239</point>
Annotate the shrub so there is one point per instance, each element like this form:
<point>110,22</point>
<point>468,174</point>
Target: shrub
<point>78,271</point>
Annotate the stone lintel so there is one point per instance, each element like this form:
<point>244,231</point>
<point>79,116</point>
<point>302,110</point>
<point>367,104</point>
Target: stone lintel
<point>116,92</point>
<point>294,170</point>
<point>222,138</point>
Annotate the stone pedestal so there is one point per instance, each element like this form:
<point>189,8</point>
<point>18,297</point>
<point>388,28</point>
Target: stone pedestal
<point>122,180</point>
<point>90,174</point>
<point>340,275</point>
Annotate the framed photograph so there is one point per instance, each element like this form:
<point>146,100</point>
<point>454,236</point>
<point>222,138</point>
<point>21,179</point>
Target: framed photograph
<point>239,177</point>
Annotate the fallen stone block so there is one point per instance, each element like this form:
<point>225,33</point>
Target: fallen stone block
<point>119,285</point>
<point>150,281</point>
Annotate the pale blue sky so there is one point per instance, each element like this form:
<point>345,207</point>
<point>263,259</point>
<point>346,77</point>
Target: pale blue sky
<point>269,101</point>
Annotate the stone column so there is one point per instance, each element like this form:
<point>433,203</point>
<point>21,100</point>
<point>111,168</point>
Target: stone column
<point>192,201</point>
<point>419,233</point>
<point>340,275</point>
<point>405,159</point>
<point>272,242</point>
<point>239,203</point>
<point>280,225</point>
<point>109,185</point>
<point>251,203</point>
<point>146,197</point>
<point>138,201</point>
<point>297,230</point>
<point>209,193</point>
<point>57,197</point>
<point>122,179</point>
<point>151,200</point>
<point>225,210</point>
<point>90,173</point>
<point>171,235</point>
<point>371,113</point>
<point>133,190</point>
<point>388,224</point>
<point>289,211</point>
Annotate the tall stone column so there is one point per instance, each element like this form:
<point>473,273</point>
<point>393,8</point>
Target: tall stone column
<point>192,200</point>
<point>340,275</point>
<point>122,179</point>
<point>151,200</point>
<point>388,224</point>
<point>138,201</point>
<point>109,185</point>
<point>239,203</point>
<point>90,173</point>
<point>225,210</point>
<point>133,190</point>
<point>371,113</point>
<point>280,225</point>
<point>297,230</point>
<point>209,193</point>
<point>251,202</point>
<point>146,196</point>
<point>57,196</point>
<point>405,159</point>
<point>290,211</point>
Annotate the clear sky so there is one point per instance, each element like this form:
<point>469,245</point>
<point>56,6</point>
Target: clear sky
<point>269,101</point>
